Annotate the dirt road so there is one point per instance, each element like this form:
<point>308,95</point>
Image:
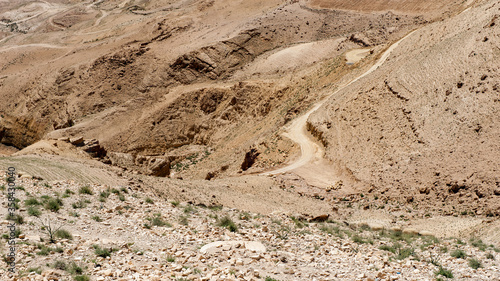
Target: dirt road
<point>296,131</point>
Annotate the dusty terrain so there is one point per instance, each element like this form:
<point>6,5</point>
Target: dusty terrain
<point>125,233</point>
<point>366,131</point>
<point>434,133</point>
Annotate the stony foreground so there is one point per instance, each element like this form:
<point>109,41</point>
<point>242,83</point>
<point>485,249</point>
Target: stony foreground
<point>116,233</point>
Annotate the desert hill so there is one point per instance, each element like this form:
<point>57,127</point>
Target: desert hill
<point>354,139</point>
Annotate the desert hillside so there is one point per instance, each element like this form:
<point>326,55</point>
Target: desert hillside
<point>425,125</point>
<point>250,140</point>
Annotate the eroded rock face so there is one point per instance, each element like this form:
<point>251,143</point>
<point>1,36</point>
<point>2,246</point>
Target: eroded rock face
<point>249,159</point>
<point>158,166</point>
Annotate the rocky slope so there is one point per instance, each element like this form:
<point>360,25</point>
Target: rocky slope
<point>119,233</point>
<point>144,78</point>
<point>424,126</point>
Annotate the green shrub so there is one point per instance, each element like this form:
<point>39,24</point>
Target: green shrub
<point>183,220</point>
<point>59,264</point>
<point>228,223</point>
<point>100,252</point>
<point>104,194</point>
<point>17,218</point>
<point>358,239</point>
<point>478,243</point>
<point>403,253</point>
<point>82,278</point>
<point>53,204</point>
<point>158,221</point>
<point>149,200</point>
<point>37,270</point>
<point>97,218</point>
<point>63,234</point>
<point>444,272</point>
<point>32,202</point>
<point>86,190</point>
<point>474,263</point>
<point>75,269</point>
<point>80,204</point>
<point>459,254</point>
<point>490,256</point>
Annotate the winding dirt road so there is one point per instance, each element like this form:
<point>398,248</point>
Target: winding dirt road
<point>297,131</point>
<point>311,152</point>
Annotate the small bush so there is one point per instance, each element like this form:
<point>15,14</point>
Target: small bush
<point>459,254</point>
<point>59,264</point>
<point>63,234</point>
<point>404,253</point>
<point>175,203</point>
<point>45,251</point>
<point>490,256</point>
<point>75,269</point>
<point>80,204</point>
<point>474,263</point>
<point>32,202</point>
<point>358,239</point>
<point>53,204</point>
<point>444,272</point>
<point>478,243</point>
<point>124,190</point>
<point>332,230</point>
<point>104,194</point>
<point>149,200</point>
<point>183,220</point>
<point>104,253</point>
<point>86,190</point>
<point>170,258</point>
<point>37,270</point>
<point>97,218</point>
<point>17,218</point>
<point>228,223</point>
<point>158,221</point>
<point>121,197</point>
<point>82,278</point>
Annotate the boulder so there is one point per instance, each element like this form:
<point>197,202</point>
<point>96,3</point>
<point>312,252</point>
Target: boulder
<point>220,246</point>
<point>76,141</point>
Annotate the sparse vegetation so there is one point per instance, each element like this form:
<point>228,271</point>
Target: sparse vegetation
<point>475,263</point>
<point>32,202</point>
<point>80,204</point>
<point>53,204</point>
<point>97,218</point>
<point>459,254</point>
<point>86,190</point>
<point>82,278</point>
<point>228,223</point>
<point>50,229</point>
<point>63,234</point>
<point>478,243</point>
<point>17,218</point>
<point>100,252</point>
<point>444,272</point>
